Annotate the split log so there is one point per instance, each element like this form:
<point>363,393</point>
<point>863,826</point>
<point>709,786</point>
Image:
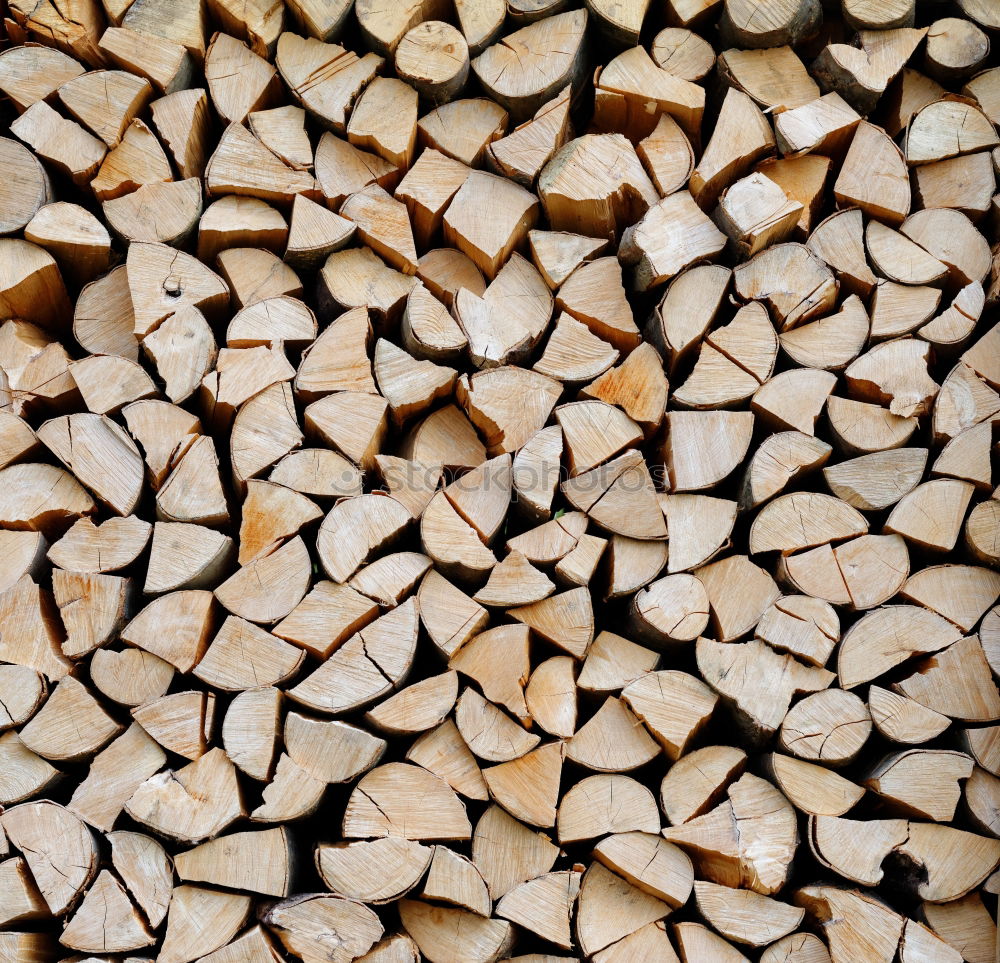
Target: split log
<point>612,725</point>
<point>925,139</point>
<point>964,255</point>
<point>673,235</point>
<point>31,286</point>
<point>692,468</point>
<point>105,101</point>
<point>342,169</point>
<point>74,237</point>
<point>633,76</point>
<point>254,861</point>
<point>482,939</point>
<point>898,310</point>
<point>235,221</point>
<point>299,59</point>
<point>812,788</point>
<point>744,916</point>
<point>182,120</point>
<point>190,909</point>
<point>697,781</point>
<point>871,150</point>
<point>282,129</point>
<point>668,156</point>
<point>787,23</point>
<point>616,192</point>
<point>752,71</point>
<point>532,64</point>
<point>696,941</point>
<point>463,129</point>
<point>26,774</point>
<point>779,460</point>
<point>549,698</point>
<point>378,657</point>
<point>347,868</point>
<point>226,60</point>
<point>599,889</point>
<point>106,920</point>
<point>902,719</point>
<point>384,121</point>
<point>395,449</point>
<point>917,631</point>
<point>862,75</point>
<point>178,204</point>
<point>488,218</point>
<point>756,706</point>
<point>898,13</point>
<point>893,780</point>
<point>758,856</point>
<point>962,924</point>
<point>543,906</point>
<point>427,189</point>
<point>528,147</point>
<point>243,165</point>
<point>167,65</point>
<point>830,726</point>
<point>791,281</point>
<point>481,23</point>
<point>495,343</point>
<point>33,72</point>
<point>76,32</point>
<point>613,662</point>
<point>60,851</point>
<point>131,677</point>
<point>683,53</point>
<point>862,429</point>
<point>348,271</point>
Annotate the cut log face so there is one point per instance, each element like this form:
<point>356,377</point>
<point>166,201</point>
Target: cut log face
<point>347,868</point>
<point>488,218</point>
<point>811,788</point>
<point>60,851</point>
<point>673,235</point>
<point>585,497</point>
<point>533,63</point>
<point>731,858</point>
<point>830,726</point>
<point>632,75</point>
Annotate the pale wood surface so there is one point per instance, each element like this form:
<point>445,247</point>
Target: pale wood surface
<point>502,480</point>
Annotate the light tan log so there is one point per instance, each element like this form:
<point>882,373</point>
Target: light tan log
<point>631,81</point>
<point>672,235</point>
<point>614,195</point>
<point>751,71</point>
<point>533,63</point>
<point>254,861</point>
<point>434,57</point>
<point>872,151</point>
<point>759,706</point>
<point>31,73</point>
<point>300,59</point>
<point>366,667</point>
<point>812,788</point>
<point>463,129</point>
<point>612,725</point>
<point>61,852</point>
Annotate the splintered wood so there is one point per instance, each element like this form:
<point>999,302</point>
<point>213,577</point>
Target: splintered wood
<point>499,480</point>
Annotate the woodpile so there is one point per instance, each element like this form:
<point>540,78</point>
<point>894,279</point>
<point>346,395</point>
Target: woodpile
<point>499,480</point>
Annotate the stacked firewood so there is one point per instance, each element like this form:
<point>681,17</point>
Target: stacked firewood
<point>502,479</point>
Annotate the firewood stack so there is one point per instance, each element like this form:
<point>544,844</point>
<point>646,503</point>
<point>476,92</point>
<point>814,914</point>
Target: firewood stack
<point>499,480</point>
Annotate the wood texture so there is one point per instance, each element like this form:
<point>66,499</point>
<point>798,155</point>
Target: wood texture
<point>502,480</point>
